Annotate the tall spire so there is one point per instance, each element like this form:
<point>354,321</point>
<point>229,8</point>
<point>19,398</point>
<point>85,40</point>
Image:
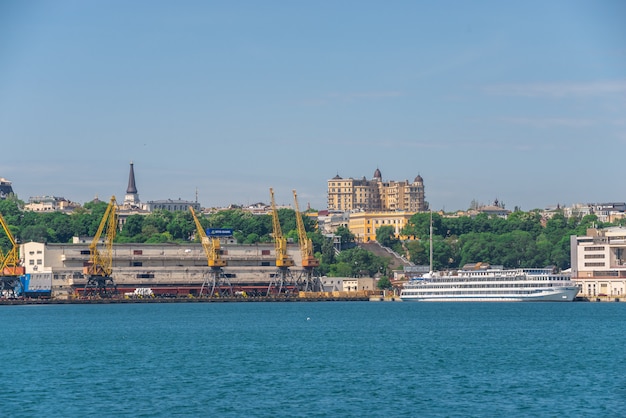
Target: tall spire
<point>131,181</point>
<point>131,198</point>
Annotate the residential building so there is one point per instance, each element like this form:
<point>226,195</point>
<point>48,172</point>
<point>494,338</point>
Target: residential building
<point>606,212</point>
<point>5,188</point>
<point>50,204</point>
<point>376,195</point>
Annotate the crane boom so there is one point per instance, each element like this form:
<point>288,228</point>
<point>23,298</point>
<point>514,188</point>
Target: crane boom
<point>211,245</point>
<point>10,263</point>
<point>306,245</point>
<point>101,262</point>
<point>280,243</point>
<point>100,265</point>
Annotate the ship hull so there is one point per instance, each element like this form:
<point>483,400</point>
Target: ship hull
<point>559,294</point>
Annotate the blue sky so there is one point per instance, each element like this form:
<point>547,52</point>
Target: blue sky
<point>520,101</point>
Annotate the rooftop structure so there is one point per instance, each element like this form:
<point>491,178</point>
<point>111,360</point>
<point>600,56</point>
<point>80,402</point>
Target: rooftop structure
<point>131,199</point>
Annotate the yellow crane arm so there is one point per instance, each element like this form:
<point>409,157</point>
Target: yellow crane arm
<point>306,245</point>
<point>280,243</point>
<point>101,262</point>
<point>211,245</point>
<point>10,263</point>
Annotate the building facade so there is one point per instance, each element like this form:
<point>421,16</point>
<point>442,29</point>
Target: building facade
<point>152,265</point>
<point>365,224</point>
<point>376,195</point>
<point>599,262</point>
<point>5,188</point>
<point>50,204</point>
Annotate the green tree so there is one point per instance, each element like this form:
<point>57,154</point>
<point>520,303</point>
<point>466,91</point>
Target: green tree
<point>385,236</point>
<point>132,226</point>
<point>347,237</point>
<point>384,283</point>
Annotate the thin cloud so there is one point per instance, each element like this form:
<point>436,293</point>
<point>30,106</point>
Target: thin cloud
<point>365,95</point>
<point>349,97</point>
<point>550,122</point>
<point>558,90</point>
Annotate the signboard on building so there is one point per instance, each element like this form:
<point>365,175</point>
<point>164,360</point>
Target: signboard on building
<point>219,232</point>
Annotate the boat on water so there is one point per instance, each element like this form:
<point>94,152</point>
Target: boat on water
<point>485,283</point>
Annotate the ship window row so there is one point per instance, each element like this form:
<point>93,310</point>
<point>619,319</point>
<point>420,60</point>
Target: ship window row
<point>517,279</point>
<point>469,292</point>
<point>499,286</point>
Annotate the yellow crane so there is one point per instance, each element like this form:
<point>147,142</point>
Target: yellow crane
<point>218,281</point>
<point>308,281</point>
<point>100,265</point>
<point>283,260</point>
<point>10,265</point>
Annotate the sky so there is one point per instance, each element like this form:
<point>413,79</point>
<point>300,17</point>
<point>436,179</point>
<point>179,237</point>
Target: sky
<point>523,102</point>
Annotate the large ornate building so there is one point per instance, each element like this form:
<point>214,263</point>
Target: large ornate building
<point>5,188</point>
<point>376,195</point>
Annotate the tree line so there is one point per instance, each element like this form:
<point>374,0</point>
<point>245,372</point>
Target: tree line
<point>524,239</point>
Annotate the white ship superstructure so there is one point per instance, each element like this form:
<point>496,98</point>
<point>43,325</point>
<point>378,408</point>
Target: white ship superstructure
<point>492,284</point>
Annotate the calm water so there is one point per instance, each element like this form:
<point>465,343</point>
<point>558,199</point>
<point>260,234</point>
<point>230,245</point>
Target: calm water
<point>314,359</point>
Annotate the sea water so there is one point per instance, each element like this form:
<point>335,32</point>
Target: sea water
<point>340,359</point>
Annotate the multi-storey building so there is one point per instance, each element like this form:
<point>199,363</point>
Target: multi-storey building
<point>5,188</point>
<point>606,212</point>
<point>376,195</point>
<point>50,204</point>
<point>365,224</point>
<point>599,262</point>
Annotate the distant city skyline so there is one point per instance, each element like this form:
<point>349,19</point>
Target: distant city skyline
<point>122,197</point>
<point>520,102</point>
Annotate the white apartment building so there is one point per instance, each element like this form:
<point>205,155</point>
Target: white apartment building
<point>599,262</point>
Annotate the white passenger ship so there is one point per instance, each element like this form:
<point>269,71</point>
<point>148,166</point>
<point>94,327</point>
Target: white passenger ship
<point>486,284</point>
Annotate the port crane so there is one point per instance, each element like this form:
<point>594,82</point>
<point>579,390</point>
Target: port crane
<point>10,265</point>
<point>309,279</point>
<point>216,280</point>
<point>283,275</point>
<point>100,265</point>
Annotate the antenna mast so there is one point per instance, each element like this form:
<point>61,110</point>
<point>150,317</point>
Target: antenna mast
<point>431,241</point>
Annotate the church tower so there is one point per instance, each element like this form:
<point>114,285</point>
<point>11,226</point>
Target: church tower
<point>131,198</point>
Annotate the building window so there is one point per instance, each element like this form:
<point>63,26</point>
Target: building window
<point>588,256</point>
<point>594,264</point>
